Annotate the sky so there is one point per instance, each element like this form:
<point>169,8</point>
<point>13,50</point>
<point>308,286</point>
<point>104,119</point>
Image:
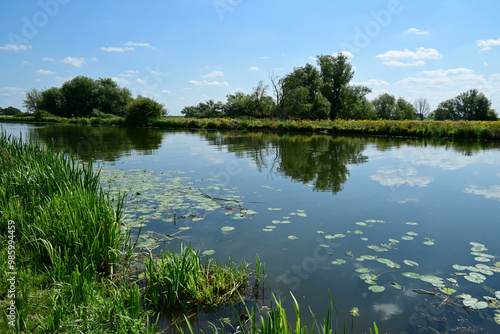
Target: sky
<point>183,52</point>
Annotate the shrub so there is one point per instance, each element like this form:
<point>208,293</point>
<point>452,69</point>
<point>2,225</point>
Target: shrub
<point>41,114</point>
<point>143,110</point>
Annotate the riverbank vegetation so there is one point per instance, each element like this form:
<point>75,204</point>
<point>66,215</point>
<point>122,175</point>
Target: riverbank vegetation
<point>405,128</point>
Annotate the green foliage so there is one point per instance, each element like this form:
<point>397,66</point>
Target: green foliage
<point>10,111</point>
<point>387,107</point>
<point>80,97</point>
<point>471,105</point>
<point>53,101</point>
<point>143,110</point>
<point>204,110</point>
<point>32,100</point>
<point>176,277</point>
<point>337,73</point>
<point>41,114</point>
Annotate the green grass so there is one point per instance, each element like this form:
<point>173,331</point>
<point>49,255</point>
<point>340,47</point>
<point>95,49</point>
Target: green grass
<point>406,128</point>
<point>176,277</point>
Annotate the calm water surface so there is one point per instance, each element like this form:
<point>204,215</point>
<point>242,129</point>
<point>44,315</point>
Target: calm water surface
<point>319,199</point>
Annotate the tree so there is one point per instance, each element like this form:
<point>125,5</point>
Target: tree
<point>80,95</point>
<point>422,108</point>
<point>302,96</point>
<point>205,110</point>
<point>471,105</point>
<point>11,111</point>
<point>336,73</point>
<point>52,100</point>
<point>385,105</point>
<point>405,110</point>
<point>259,103</point>
<point>110,98</point>
<point>143,110</point>
<point>32,100</point>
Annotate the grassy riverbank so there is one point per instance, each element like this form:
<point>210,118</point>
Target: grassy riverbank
<point>426,128</point>
<point>65,259</point>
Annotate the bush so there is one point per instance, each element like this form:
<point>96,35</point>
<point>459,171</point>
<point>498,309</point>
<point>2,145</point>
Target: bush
<point>41,114</point>
<point>143,110</point>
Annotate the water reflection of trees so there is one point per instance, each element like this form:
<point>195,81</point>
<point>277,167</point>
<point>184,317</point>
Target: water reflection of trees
<point>100,143</point>
<point>318,159</point>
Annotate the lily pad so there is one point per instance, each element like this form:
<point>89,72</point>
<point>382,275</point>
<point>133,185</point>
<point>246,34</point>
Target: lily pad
<point>363,270</point>
<point>274,209</point>
<point>411,223</point>
<point>358,232</point>
<point>267,230</point>
<point>339,261</point>
<point>475,277</point>
<point>368,257</point>
<point>412,233</point>
<point>364,239</point>
<point>429,242</point>
<point>320,232</point>
<point>292,237</point>
<point>477,247</point>
<point>227,228</point>
<point>376,288</point>
<point>482,259</point>
<point>209,252</point>
<point>411,263</point>
<point>361,223</point>
<point>302,214</point>
<point>434,280</point>
<point>396,286</point>
<point>406,237</point>
<point>448,291</point>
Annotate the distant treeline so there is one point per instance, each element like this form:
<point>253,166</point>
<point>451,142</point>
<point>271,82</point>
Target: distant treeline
<point>325,92</point>
<point>307,93</point>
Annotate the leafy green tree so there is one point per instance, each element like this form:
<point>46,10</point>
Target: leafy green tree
<point>337,73</point>
<point>143,110</point>
<point>11,111</point>
<point>301,95</point>
<point>110,98</point>
<point>52,100</point>
<point>405,110</point>
<point>471,105</point>
<point>236,104</point>
<point>259,103</point>
<point>32,100</point>
<point>80,95</point>
<point>385,105</point>
<point>362,109</point>
<point>205,110</point>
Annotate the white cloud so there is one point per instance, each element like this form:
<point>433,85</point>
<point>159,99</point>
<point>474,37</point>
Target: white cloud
<point>409,58</point>
<point>214,74</point>
<point>396,177</point>
<point>116,49</point>
<point>492,192</point>
<point>265,57</point>
<point>254,69</point>
<point>420,53</point>
<point>397,63</point>
<point>25,62</point>
<point>463,77</point>
<point>11,47</point>
<point>209,83</point>
<point>45,72</point>
<point>120,81</point>
<point>373,82</point>
<point>73,61</point>
<point>416,31</point>
<point>129,73</point>
<point>166,91</point>
<point>147,45</point>
<point>348,54</point>
<point>9,91</point>
<point>487,44</point>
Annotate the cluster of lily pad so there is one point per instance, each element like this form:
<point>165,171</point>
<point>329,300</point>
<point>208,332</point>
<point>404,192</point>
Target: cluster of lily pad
<point>478,273</point>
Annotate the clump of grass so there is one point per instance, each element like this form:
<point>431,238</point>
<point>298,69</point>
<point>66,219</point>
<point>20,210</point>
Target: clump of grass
<point>183,277</point>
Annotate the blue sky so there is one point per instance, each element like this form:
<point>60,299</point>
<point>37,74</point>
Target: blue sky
<point>182,52</point>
